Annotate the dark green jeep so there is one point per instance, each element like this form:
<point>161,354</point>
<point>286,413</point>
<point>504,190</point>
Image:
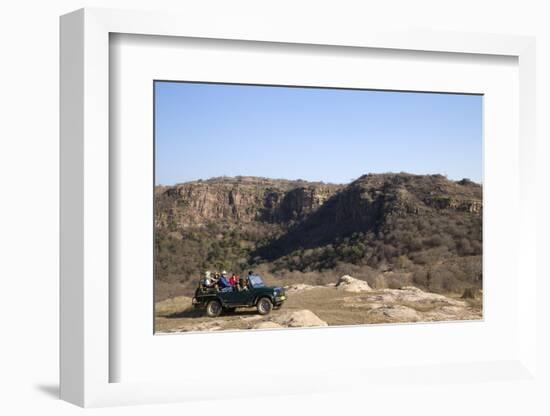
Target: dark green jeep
<point>254,294</point>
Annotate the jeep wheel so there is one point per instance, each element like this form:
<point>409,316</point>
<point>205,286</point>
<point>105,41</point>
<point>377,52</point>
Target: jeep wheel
<point>264,306</point>
<point>213,308</point>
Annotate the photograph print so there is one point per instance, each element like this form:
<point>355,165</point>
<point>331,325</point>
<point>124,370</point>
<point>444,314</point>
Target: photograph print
<point>292,207</point>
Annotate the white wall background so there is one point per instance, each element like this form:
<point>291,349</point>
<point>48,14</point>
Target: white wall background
<point>29,205</point>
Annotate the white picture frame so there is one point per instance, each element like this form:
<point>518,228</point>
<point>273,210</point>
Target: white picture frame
<point>86,353</point>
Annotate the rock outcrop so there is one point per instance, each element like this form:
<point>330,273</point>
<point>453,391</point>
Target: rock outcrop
<point>351,284</point>
<point>242,199</point>
<point>414,295</point>
<point>411,304</point>
<point>302,318</point>
<point>458,204</point>
<point>408,295</point>
<point>393,314</point>
<point>250,199</point>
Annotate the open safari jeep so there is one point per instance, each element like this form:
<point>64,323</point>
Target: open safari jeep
<point>254,294</point>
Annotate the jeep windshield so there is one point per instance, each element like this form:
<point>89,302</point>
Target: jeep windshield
<point>256,281</point>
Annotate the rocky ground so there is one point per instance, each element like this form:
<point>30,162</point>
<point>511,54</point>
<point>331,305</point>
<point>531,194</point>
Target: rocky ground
<point>348,301</point>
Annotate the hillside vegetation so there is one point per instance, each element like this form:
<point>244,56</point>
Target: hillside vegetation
<point>391,230</point>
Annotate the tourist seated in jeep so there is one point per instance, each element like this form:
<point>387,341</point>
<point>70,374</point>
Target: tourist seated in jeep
<point>224,284</point>
<point>208,281</point>
<point>242,284</point>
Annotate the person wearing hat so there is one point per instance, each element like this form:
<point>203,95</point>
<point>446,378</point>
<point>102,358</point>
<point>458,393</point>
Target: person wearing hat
<point>225,286</point>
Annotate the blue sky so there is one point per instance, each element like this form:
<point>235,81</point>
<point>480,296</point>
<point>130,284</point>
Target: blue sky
<point>330,135</point>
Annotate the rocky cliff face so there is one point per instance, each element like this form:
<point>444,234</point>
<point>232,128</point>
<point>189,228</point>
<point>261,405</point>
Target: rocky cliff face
<point>242,200</point>
<point>248,199</point>
<point>382,205</point>
<point>377,220</point>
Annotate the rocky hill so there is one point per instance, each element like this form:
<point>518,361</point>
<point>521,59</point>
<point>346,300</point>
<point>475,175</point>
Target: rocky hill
<point>388,229</point>
<point>241,200</point>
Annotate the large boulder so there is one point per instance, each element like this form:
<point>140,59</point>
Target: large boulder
<point>393,313</point>
<point>351,284</point>
<point>301,318</point>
